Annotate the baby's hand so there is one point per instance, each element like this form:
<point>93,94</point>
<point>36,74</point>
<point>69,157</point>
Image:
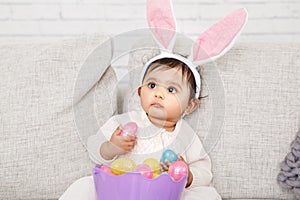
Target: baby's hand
<point>124,144</point>
<point>165,168</point>
<point>190,175</point>
<point>168,163</point>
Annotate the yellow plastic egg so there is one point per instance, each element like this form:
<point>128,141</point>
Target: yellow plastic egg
<point>154,164</point>
<point>156,175</point>
<point>122,165</point>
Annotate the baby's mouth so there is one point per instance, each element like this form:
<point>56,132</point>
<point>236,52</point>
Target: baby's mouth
<point>157,105</point>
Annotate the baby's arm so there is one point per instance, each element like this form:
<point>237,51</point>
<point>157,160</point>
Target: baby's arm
<point>199,164</point>
<point>104,146</point>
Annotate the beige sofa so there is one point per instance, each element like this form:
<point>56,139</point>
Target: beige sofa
<point>54,95</point>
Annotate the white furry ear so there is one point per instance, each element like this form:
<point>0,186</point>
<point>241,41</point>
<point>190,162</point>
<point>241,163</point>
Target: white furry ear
<point>219,38</point>
<point>162,22</point>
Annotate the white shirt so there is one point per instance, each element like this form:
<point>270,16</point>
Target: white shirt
<point>152,141</point>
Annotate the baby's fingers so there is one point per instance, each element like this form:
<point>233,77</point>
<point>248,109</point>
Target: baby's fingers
<point>128,144</point>
<point>129,138</point>
<point>180,157</point>
<point>164,167</point>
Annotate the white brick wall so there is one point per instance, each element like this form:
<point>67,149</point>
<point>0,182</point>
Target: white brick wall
<point>31,20</point>
<point>47,20</point>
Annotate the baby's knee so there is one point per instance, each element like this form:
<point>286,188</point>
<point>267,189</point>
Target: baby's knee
<point>81,189</point>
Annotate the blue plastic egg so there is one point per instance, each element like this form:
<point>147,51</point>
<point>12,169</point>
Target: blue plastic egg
<point>169,155</point>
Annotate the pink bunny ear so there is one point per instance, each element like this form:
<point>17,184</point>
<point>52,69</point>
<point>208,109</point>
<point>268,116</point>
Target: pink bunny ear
<point>219,38</point>
<point>162,22</point>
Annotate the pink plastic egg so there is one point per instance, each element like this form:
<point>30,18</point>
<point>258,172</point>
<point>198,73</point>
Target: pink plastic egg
<point>145,170</point>
<point>178,169</point>
<point>129,129</point>
<point>106,168</point>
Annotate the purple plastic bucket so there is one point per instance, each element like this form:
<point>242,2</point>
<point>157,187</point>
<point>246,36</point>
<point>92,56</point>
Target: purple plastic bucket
<point>133,186</point>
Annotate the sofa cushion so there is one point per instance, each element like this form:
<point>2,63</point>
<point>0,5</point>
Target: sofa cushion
<point>51,101</point>
<point>262,109</point>
<point>249,118</point>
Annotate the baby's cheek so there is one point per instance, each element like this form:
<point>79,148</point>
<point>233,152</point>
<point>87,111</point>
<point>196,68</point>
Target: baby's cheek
<point>144,105</point>
<point>178,104</point>
<point>174,108</point>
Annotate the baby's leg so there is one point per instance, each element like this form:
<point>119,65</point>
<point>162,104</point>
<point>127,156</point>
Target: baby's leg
<point>201,192</point>
<point>82,189</point>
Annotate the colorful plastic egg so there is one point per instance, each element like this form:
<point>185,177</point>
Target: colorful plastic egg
<point>178,169</point>
<point>122,165</point>
<point>169,155</point>
<point>106,168</point>
<point>155,175</point>
<point>155,166</point>
<point>129,129</point>
<point>145,170</point>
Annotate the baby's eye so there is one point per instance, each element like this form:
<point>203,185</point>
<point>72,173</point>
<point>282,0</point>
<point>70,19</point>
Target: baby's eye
<point>152,85</point>
<point>172,90</point>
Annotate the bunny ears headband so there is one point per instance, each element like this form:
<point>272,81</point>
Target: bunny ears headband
<point>210,45</point>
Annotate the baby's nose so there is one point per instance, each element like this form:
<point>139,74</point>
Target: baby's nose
<point>159,93</point>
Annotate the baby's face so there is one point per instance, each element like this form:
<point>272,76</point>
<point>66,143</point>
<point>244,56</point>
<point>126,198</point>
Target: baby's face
<point>164,94</point>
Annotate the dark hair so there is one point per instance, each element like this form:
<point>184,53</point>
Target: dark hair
<point>171,63</point>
